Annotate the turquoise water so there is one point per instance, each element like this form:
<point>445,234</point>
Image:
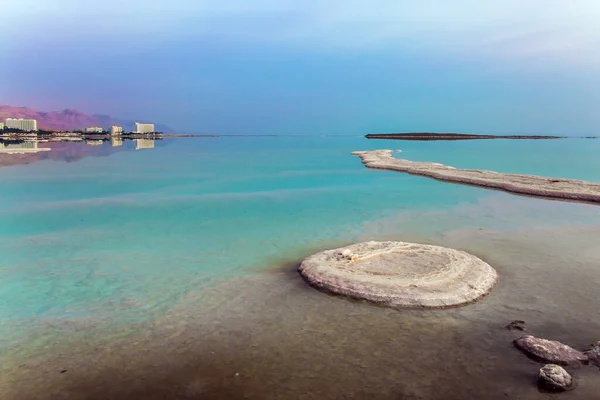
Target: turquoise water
<point>126,237</point>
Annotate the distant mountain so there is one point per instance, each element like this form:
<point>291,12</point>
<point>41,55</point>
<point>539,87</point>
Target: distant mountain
<point>70,119</point>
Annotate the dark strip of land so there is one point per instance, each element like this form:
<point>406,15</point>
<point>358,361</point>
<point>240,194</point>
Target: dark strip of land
<point>451,136</point>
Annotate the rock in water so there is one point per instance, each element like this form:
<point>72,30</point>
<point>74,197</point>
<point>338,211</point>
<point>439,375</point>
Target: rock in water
<point>517,325</point>
<point>554,377</point>
<point>399,274</point>
<point>549,351</point>
<point>594,355</point>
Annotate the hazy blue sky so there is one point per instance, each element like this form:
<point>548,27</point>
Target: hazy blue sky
<point>338,67</point>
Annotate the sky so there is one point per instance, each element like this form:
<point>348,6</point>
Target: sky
<point>310,67</point>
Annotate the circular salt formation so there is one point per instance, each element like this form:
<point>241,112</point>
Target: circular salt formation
<point>400,275</point>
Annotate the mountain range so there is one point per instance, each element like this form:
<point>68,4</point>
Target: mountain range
<point>69,119</point>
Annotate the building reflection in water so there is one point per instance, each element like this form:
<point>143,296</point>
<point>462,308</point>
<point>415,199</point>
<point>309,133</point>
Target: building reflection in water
<point>143,144</point>
<point>26,147</point>
<point>29,150</point>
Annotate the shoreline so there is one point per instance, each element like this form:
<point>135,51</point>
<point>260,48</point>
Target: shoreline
<point>528,185</point>
<point>58,137</point>
<point>269,335</point>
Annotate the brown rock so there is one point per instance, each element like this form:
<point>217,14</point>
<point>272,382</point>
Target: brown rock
<point>554,378</point>
<point>594,355</point>
<point>516,325</point>
<point>550,351</point>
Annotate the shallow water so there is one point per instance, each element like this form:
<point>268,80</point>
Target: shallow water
<point>165,272</point>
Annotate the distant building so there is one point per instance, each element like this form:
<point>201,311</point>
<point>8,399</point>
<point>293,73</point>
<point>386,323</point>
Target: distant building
<point>116,142</point>
<point>1,126</point>
<point>143,128</point>
<point>94,129</point>
<point>116,130</point>
<point>27,125</point>
<point>144,144</point>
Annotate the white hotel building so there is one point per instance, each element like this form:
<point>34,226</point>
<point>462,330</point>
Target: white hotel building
<point>143,128</point>
<point>94,129</point>
<point>116,130</point>
<point>27,125</point>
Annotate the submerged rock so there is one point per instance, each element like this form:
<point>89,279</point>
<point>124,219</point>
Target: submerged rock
<point>554,378</point>
<point>594,355</point>
<point>399,274</point>
<point>516,325</point>
<point>549,351</point>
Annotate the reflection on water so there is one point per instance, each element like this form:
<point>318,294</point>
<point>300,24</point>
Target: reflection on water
<point>171,274</point>
<point>143,144</point>
<point>29,150</point>
<point>21,147</point>
<point>271,336</point>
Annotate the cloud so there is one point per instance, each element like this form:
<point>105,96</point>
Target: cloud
<point>506,29</point>
<point>547,27</point>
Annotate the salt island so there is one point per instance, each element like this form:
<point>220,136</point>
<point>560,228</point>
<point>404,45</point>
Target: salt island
<point>556,188</point>
<point>400,274</point>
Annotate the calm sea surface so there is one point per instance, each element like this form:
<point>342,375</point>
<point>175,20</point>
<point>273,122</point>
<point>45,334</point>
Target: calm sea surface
<point>168,271</point>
